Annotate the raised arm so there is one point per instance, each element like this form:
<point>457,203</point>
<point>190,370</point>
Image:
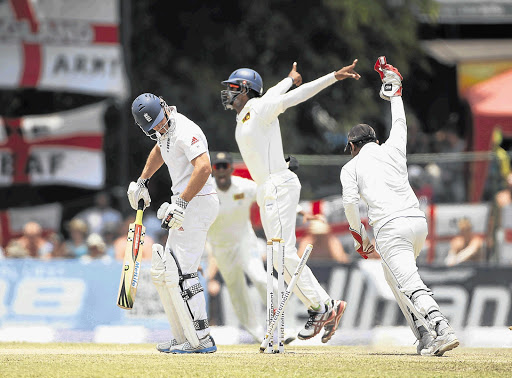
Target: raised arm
<point>398,134</point>
<point>282,87</point>
<point>391,90</point>
<point>310,89</point>
<point>272,107</point>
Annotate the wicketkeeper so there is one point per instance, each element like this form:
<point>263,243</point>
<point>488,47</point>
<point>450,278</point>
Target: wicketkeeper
<point>377,173</point>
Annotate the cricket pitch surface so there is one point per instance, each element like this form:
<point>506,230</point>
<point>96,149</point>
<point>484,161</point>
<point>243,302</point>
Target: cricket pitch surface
<point>143,360</point>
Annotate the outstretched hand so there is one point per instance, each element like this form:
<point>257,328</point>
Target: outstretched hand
<point>348,72</point>
<point>296,77</point>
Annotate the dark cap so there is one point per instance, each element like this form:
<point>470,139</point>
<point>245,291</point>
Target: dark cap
<point>360,133</point>
<point>222,157</point>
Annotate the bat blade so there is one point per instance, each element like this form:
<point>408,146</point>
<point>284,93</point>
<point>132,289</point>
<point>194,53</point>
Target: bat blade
<point>131,263</point>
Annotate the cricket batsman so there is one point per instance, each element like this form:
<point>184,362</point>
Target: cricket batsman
<point>258,136</point>
<point>183,147</point>
<point>377,173</point>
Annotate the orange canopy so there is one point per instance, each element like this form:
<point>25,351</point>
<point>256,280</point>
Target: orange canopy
<point>491,107</point>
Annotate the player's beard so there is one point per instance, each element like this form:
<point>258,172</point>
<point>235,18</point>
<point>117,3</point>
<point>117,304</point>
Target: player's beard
<point>224,182</point>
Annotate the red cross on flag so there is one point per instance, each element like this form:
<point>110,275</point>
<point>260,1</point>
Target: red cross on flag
<point>63,148</point>
<point>68,45</point>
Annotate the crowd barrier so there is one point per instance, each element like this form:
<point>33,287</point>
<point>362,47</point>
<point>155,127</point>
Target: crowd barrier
<point>71,300</point>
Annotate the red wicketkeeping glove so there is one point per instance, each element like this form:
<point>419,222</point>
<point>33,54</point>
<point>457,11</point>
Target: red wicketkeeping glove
<point>391,79</point>
<point>361,242</point>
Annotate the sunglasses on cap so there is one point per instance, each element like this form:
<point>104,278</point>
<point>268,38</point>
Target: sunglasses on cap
<point>221,166</point>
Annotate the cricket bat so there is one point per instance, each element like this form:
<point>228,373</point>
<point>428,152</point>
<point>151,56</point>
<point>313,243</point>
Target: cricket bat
<point>131,261</point>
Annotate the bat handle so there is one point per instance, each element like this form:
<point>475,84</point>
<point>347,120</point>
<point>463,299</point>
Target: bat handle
<point>141,205</point>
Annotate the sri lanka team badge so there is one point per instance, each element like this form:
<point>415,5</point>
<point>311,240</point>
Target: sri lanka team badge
<point>247,117</point>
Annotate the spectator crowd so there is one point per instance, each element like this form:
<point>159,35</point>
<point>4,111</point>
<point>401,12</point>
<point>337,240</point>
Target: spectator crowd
<point>96,233</point>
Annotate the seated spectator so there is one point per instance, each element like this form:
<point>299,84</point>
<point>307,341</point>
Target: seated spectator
<point>326,245</point>
<point>101,213</point>
<point>59,248</point>
<point>502,199</point>
<point>110,234</point>
<point>466,246</point>
<point>77,230</point>
<point>96,249</point>
<point>14,250</point>
<point>120,242</point>
<point>31,245</point>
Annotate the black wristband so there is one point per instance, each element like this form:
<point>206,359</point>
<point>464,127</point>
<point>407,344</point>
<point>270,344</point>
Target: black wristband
<point>143,183</point>
<point>181,203</point>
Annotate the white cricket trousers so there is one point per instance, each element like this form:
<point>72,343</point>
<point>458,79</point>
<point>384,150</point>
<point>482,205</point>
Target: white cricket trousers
<point>187,244</point>
<point>236,261</point>
<point>399,242</point>
<point>278,198</point>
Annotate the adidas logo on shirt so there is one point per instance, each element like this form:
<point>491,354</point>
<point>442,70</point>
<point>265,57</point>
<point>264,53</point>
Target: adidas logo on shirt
<point>194,141</point>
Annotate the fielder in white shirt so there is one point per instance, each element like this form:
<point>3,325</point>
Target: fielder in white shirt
<point>258,136</point>
<point>378,175</point>
<point>234,243</point>
<point>183,147</point>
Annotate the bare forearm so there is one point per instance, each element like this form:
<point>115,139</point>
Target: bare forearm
<point>153,163</point>
<point>202,171</point>
<point>467,253</point>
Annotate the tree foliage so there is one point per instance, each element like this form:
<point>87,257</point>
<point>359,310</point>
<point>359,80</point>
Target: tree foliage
<point>185,53</point>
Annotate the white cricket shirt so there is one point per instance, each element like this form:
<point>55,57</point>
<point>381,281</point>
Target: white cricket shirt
<point>179,148</point>
<point>378,175</point>
<point>257,130</point>
<point>233,222</point>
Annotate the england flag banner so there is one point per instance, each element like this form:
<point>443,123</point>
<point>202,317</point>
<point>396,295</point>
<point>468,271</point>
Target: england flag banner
<point>62,45</point>
<point>63,148</point>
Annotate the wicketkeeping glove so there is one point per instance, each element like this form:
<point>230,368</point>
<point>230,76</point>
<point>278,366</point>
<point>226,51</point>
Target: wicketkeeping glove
<point>361,242</point>
<point>391,79</point>
<point>137,191</point>
<point>172,214</point>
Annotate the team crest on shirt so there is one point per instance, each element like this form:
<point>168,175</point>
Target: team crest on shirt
<point>247,117</point>
<point>238,196</point>
<point>194,141</point>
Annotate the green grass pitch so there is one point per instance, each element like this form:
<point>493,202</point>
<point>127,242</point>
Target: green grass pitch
<point>142,360</point>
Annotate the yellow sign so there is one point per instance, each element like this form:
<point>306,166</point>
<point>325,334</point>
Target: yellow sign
<point>471,73</point>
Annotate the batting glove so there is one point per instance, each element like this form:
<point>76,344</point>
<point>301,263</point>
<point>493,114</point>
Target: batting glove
<point>172,215</point>
<point>391,79</point>
<point>361,242</point>
<point>137,191</point>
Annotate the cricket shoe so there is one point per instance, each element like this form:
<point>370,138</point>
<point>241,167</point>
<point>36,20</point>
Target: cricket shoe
<point>206,345</point>
<point>166,346</point>
<point>445,341</point>
<point>426,339</point>
<point>317,321</point>
<point>338,308</point>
